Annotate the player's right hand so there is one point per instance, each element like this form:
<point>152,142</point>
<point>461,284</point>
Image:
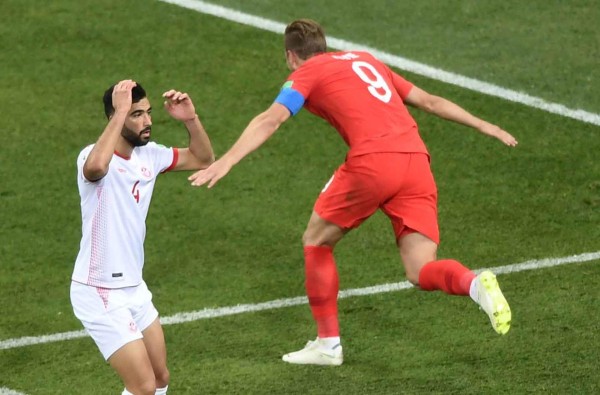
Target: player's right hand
<point>211,174</point>
<point>121,96</point>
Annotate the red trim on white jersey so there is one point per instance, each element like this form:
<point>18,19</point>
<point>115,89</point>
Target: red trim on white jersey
<point>122,156</point>
<point>175,160</point>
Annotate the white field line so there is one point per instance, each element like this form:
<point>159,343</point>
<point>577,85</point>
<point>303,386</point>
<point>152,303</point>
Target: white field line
<point>398,61</point>
<point>300,300</point>
<point>8,391</point>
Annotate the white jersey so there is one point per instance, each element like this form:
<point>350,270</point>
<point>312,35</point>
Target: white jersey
<point>113,212</point>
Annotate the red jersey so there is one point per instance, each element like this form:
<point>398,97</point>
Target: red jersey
<point>360,97</point>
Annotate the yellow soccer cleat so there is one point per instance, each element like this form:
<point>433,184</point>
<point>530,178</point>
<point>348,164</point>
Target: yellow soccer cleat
<point>491,300</point>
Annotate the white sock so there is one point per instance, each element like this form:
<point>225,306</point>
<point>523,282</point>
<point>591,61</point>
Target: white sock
<point>329,342</point>
<point>161,391</point>
<point>473,290</point>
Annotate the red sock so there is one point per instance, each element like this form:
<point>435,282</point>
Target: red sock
<point>447,275</point>
<point>322,288</point>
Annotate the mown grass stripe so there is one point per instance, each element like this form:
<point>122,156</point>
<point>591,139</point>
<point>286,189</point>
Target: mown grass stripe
<point>207,313</point>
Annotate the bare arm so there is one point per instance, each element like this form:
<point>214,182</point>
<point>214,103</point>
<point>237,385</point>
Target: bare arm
<point>96,164</point>
<point>259,130</point>
<point>199,153</point>
<point>256,133</point>
<point>446,109</point>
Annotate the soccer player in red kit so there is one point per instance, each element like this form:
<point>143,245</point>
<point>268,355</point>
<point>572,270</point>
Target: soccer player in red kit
<point>387,167</point>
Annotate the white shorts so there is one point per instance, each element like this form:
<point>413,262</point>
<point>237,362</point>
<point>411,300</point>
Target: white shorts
<point>113,317</point>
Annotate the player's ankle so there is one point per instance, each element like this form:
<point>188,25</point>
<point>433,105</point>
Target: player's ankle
<point>329,342</point>
<point>473,291</point>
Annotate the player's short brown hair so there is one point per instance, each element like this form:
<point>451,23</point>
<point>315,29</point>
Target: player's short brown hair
<point>305,38</point>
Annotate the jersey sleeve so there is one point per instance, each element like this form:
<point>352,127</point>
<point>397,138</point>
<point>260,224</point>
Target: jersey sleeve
<point>402,86</point>
<point>173,161</point>
<point>164,158</point>
<point>83,155</point>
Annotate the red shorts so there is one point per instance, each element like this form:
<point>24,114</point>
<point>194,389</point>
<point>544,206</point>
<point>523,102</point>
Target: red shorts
<point>400,184</point>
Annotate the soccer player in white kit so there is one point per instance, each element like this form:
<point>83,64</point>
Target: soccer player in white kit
<point>116,177</point>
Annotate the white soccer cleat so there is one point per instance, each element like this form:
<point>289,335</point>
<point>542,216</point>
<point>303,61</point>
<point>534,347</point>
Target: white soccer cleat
<point>313,354</point>
<point>491,300</point>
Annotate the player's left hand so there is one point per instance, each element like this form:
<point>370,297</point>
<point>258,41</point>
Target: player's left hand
<point>179,105</point>
<point>499,133</point>
<point>211,175</point>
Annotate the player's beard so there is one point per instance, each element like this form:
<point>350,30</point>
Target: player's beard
<point>136,139</point>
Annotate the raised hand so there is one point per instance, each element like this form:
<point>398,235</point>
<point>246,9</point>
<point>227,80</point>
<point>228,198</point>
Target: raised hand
<point>179,105</point>
<point>121,95</point>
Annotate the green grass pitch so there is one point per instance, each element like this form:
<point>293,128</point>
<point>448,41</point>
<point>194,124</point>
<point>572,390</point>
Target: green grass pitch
<point>241,241</point>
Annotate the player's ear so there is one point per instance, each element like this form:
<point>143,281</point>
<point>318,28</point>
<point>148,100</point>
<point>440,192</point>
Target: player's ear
<point>292,59</point>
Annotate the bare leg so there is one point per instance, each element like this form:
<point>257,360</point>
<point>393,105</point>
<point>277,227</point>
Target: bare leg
<point>320,232</point>
<point>154,340</point>
<point>132,364</point>
<point>416,250</point>
<point>452,277</point>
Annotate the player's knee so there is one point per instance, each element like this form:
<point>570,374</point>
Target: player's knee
<point>317,239</point>
<point>146,387</point>
<point>162,378</point>
<point>309,238</point>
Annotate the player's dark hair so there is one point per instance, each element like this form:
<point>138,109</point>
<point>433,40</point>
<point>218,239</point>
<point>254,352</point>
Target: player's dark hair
<point>305,38</point>
<point>137,94</point>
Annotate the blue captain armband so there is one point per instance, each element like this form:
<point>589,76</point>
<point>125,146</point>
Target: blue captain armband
<point>290,98</point>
